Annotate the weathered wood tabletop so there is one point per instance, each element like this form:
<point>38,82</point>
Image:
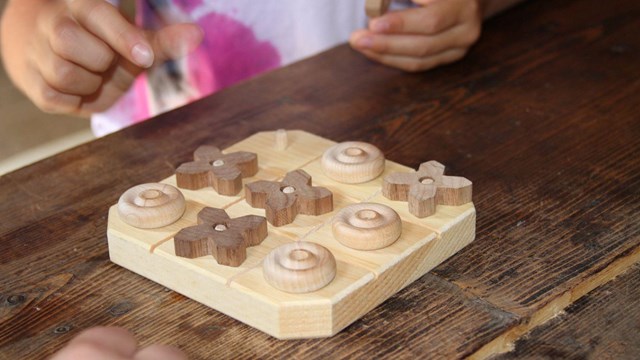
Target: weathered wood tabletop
<point>543,115</point>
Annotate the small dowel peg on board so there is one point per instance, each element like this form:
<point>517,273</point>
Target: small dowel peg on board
<point>284,200</point>
<point>152,205</point>
<point>375,8</point>
<point>222,172</point>
<point>218,235</point>
<point>281,141</point>
<point>427,188</point>
<point>367,226</point>
<point>353,162</point>
<point>299,267</point>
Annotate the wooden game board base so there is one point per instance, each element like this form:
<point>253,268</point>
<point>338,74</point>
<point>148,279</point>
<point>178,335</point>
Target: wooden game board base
<point>364,278</point>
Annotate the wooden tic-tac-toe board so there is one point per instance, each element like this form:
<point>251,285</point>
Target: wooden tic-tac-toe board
<point>364,279</point>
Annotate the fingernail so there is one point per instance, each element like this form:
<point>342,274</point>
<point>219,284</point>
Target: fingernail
<point>380,25</point>
<point>364,42</point>
<point>143,55</point>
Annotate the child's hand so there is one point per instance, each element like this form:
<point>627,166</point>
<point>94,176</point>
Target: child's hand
<point>112,343</point>
<point>80,56</point>
<point>435,33</point>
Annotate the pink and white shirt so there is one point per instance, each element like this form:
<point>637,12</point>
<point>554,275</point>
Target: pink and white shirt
<point>242,38</point>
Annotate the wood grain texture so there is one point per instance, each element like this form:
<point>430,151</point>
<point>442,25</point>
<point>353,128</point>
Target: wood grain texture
<point>602,325</point>
<point>546,128</point>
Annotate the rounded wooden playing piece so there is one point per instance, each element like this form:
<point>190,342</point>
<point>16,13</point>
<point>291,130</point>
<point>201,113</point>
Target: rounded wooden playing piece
<point>367,226</point>
<point>353,162</point>
<point>152,205</point>
<point>299,267</point>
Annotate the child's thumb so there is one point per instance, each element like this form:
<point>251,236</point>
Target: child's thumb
<point>175,41</point>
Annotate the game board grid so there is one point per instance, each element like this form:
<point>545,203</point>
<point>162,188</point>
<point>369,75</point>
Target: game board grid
<point>359,272</point>
<point>311,228</point>
<point>304,225</point>
<point>318,231</point>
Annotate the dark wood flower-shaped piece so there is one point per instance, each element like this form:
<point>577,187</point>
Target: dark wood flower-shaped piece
<point>427,188</point>
<point>223,172</point>
<point>283,201</point>
<point>218,235</point>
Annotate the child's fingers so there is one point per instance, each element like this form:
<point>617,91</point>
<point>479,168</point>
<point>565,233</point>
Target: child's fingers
<point>175,41</point>
<point>433,18</point>
<point>105,21</point>
<point>168,43</point>
<point>100,343</point>
<point>68,77</point>
<point>72,42</point>
<point>160,352</point>
<point>116,82</point>
<point>101,100</point>
<point>47,98</point>
<point>414,64</point>
<point>415,45</point>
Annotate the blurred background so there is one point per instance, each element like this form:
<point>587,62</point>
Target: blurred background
<point>27,134</point>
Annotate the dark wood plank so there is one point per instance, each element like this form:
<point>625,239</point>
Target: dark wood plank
<point>559,204</point>
<point>160,315</point>
<point>604,324</point>
<point>542,116</point>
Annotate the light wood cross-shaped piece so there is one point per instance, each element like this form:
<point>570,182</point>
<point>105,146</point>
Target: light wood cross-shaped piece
<point>223,172</point>
<point>283,201</point>
<point>218,235</point>
<point>427,188</point>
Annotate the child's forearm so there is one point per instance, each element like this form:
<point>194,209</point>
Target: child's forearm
<point>492,7</point>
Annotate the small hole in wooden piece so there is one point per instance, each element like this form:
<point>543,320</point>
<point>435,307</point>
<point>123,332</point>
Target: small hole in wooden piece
<point>288,189</point>
<point>150,194</point>
<point>367,214</point>
<point>354,151</point>
<point>217,163</point>
<point>426,180</point>
<point>299,255</point>
<point>220,227</point>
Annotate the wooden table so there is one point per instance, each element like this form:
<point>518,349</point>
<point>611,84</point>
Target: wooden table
<point>543,115</point>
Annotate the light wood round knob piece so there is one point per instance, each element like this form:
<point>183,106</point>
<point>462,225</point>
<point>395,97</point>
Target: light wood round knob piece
<point>152,205</point>
<point>353,162</point>
<point>375,8</point>
<point>367,226</point>
<point>299,267</point>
